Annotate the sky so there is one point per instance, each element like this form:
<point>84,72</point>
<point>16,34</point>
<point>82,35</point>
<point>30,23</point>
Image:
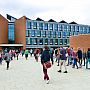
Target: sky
<point>68,10</point>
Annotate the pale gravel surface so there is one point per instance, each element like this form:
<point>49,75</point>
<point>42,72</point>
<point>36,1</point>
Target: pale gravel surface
<point>27,75</point>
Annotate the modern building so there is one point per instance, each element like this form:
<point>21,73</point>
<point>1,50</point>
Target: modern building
<point>29,33</point>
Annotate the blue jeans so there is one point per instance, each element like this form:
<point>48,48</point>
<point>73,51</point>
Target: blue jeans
<point>69,60</point>
<point>88,60</point>
<point>75,63</point>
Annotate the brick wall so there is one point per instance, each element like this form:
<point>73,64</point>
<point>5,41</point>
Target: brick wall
<point>3,30</point>
<point>82,41</point>
<point>20,31</point>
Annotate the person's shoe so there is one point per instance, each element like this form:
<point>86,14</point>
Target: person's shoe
<point>77,67</point>
<point>59,71</point>
<point>7,69</point>
<point>47,82</point>
<point>73,67</point>
<point>58,65</point>
<point>65,72</point>
<point>67,65</point>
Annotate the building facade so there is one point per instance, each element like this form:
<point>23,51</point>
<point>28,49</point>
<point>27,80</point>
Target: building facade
<point>51,33</point>
<point>37,33</point>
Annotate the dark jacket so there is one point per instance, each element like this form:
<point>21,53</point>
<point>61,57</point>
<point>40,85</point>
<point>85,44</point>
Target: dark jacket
<point>45,56</point>
<point>88,54</point>
<point>63,54</point>
<point>79,53</point>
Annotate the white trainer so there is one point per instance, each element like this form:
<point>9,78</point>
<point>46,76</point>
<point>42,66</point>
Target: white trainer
<point>47,82</point>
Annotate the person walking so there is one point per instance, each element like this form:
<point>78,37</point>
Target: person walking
<point>51,54</point>
<point>84,57</point>
<point>79,53</point>
<point>26,53</point>
<point>58,56</point>
<point>63,59</point>
<point>1,57</point>
<point>88,58</point>
<point>44,58</point>
<point>31,52</point>
<point>17,53</point>
<point>7,59</point>
<point>36,54</point>
<point>74,55</point>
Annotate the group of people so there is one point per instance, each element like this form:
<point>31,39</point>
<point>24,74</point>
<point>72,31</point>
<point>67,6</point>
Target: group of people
<point>62,56</point>
<point>8,55</point>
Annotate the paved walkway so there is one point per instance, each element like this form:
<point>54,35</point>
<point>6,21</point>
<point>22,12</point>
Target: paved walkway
<point>27,75</point>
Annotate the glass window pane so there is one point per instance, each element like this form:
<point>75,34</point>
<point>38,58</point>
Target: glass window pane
<point>56,41</point>
<point>44,33</point>
<point>54,34</point>
<point>63,34</point>
<point>27,41</point>
<point>46,41</point>
<point>51,41</point>
<point>35,41</point>
<point>50,26</point>
<point>38,33</point>
<point>41,26</point>
<point>65,41</point>
<point>34,25</point>
<point>33,33</point>
<point>61,41</point>
<point>56,27</point>
<point>41,41</point>
<point>46,26</point>
<point>61,27</point>
<point>27,33</point>
<point>28,24</point>
<point>59,34</point>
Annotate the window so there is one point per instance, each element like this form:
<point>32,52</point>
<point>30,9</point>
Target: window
<point>46,41</point>
<point>35,41</point>
<point>41,41</point>
<point>69,28</point>
<point>27,41</point>
<point>60,41</point>
<point>68,34</point>
<point>56,27</point>
<point>56,41</point>
<point>44,33</point>
<point>63,34</point>
<point>34,25</point>
<point>59,34</point>
<point>33,33</point>
<point>61,27</point>
<point>51,26</point>
<point>51,41</point>
<point>54,34</point>
<point>27,33</point>
<point>28,24</point>
<point>40,26</point>
<point>72,28</point>
<point>11,33</point>
<point>31,41</point>
<point>65,27</point>
<point>49,34</point>
<point>68,42</point>
<point>77,28</point>
<point>89,30</point>
<point>85,30</point>
<point>38,33</point>
<point>65,41</point>
<point>46,26</point>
